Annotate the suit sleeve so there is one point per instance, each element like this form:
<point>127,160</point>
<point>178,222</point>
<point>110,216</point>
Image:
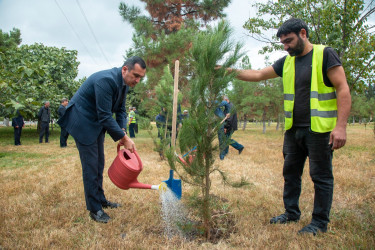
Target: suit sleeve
<point>40,113</point>
<point>121,114</point>
<point>103,95</point>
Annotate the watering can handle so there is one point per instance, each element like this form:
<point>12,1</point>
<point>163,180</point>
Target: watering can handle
<point>118,148</point>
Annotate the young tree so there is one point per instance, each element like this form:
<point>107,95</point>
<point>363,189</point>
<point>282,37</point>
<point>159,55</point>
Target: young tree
<point>210,48</point>
<point>341,24</point>
<point>164,96</point>
<point>165,34</point>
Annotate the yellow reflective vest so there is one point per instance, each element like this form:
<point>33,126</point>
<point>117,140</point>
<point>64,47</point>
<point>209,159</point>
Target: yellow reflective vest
<point>132,115</point>
<point>323,103</point>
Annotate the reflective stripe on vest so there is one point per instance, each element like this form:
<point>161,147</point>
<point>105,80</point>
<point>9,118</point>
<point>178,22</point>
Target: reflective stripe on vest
<point>323,104</point>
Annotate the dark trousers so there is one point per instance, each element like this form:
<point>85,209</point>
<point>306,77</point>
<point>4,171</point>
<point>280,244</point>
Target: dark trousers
<point>131,130</point>
<point>63,137</point>
<point>300,143</point>
<point>17,135</point>
<point>44,130</point>
<point>136,128</point>
<point>225,139</point>
<point>92,160</point>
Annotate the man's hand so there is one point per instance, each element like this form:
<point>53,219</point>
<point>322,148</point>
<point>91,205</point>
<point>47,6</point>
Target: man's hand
<point>338,138</point>
<point>127,143</point>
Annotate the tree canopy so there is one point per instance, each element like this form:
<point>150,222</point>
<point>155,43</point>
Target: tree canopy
<point>341,24</point>
<point>31,74</point>
<point>165,34</point>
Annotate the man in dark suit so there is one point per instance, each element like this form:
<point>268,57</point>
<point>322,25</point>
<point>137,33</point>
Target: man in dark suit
<point>44,116</point>
<point>64,134</point>
<point>89,115</point>
<point>18,123</point>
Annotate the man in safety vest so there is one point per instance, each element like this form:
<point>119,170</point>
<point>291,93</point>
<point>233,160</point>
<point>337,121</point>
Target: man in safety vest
<point>132,122</point>
<point>316,105</point>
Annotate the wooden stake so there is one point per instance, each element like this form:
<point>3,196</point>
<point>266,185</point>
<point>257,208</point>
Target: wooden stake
<point>175,100</point>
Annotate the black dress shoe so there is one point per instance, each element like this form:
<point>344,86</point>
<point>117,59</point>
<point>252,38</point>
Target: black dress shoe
<point>312,229</point>
<point>108,204</point>
<point>100,216</point>
<point>240,150</point>
<point>283,219</point>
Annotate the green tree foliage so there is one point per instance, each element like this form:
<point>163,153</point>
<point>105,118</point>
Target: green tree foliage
<point>210,48</point>
<point>31,74</point>
<point>258,100</point>
<point>164,100</point>
<point>164,35</point>
<point>362,108</point>
<point>341,24</point>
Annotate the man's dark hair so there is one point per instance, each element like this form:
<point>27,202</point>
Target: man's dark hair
<point>64,100</point>
<point>130,62</point>
<point>292,25</point>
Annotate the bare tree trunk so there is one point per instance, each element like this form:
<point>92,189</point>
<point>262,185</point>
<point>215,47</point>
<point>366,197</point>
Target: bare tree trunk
<point>264,122</point>
<point>244,122</point>
<point>6,121</point>
<point>206,203</point>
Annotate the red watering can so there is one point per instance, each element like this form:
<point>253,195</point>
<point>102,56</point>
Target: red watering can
<point>125,170</point>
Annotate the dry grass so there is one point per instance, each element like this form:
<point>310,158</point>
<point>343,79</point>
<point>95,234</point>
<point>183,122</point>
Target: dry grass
<point>42,201</point>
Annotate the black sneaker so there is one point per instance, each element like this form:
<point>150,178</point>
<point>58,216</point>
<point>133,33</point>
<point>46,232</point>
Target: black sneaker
<point>240,150</point>
<point>108,204</point>
<point>100,216</point>
<point>312,229</point>
<point>283,219</point>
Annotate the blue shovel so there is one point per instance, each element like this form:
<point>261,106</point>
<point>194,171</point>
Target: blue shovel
<point>174,185</point>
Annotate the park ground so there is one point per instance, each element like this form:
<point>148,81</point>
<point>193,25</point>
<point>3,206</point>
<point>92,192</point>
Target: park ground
<point>42,202</point>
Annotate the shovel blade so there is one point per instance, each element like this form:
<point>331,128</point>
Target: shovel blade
<point>174,185</point>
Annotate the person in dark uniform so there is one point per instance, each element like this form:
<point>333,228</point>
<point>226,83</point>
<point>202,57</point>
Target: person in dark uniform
<point>64,134</point>
<point>89,115</point>
<point>18,123</point>
<point>44,116</point>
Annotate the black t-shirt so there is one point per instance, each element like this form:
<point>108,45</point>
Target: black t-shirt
<point>303,68</point>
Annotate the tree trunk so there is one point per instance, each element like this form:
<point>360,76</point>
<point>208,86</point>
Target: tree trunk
<point>244,124</point>
<point>264,122</point>
<point>206,203</point>
<point>6,121</point>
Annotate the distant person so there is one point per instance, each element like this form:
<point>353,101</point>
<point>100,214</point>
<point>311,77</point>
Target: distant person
<point>44,117</point>
<point>136,120</point>
<point>18,123</point>
<point>185,114</point>
<point>227,129</point>
<point>160,123</point>
<point>64,134</point>
<point>132,122</point>
<point>89,115</point>
<point>316,105</point>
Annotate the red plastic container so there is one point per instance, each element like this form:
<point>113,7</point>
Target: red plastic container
<point>125,170</point>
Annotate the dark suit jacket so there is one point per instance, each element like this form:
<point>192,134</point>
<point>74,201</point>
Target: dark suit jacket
<point>90,109</point>
<point>18,121</point>
<point>61,110</point>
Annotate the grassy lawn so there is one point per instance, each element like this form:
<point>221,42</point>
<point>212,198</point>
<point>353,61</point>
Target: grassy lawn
<point>42,199</point>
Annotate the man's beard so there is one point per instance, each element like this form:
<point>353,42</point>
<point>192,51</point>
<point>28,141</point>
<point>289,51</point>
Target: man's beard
<point>298,49</point>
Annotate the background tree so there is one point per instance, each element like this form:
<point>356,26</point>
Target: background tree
<point>258,100</point>
<point>210,48</point>
<point>31,74</point>
<point>164,35</point>
<point>341,24</point>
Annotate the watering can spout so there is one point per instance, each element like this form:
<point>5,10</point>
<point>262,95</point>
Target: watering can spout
<point>139,185</point>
